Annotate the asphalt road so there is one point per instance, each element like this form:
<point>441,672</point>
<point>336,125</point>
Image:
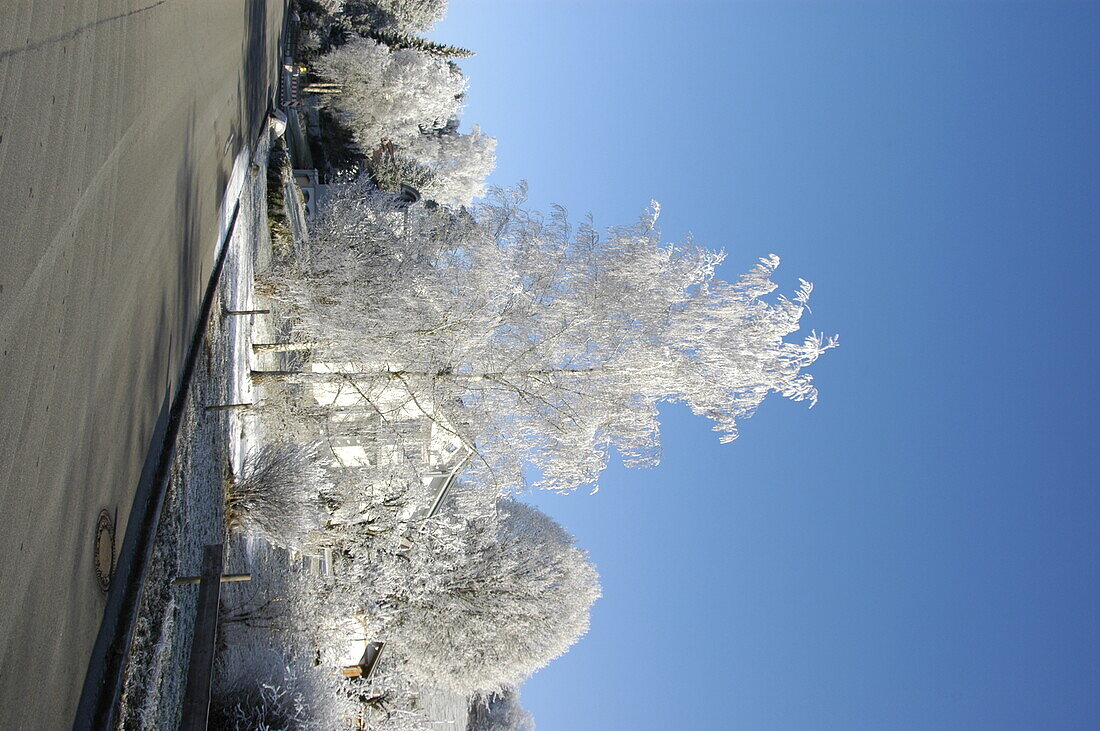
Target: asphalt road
<point>119,124</point>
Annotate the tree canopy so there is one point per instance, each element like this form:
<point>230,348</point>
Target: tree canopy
<point>480,604</point>
<point>542,344</point>
<point>390,95</point>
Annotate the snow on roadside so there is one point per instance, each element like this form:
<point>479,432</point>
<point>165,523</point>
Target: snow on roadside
<point>208,445</point>
<point>238,293</point>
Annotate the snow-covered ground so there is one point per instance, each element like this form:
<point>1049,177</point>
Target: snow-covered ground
<point>211,446</point>
<point>210,443</point>
<point>446,711</point>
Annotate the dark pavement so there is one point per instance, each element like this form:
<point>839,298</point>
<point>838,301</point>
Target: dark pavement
<point>119,124</point>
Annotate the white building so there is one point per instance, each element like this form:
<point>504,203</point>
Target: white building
<point>359,440</point>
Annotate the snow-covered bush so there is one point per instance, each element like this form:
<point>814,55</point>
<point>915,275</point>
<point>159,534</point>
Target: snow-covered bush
<point>390,94</point>
<point>391,169</point>
<point>331,6</point>
<point>259,687</point>
<point>392,703</point>
<point>309,42</point>
<point>277,495</point>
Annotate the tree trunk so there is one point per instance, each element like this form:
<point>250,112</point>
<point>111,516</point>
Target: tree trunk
<point>281,347</point>
<point>312,377</point>
<point>229,407</point>
<point>227,313</point>
<point>307,377</point>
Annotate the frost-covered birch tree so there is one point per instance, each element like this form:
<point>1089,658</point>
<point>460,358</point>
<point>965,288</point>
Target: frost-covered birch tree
<point>390,94</point>
<point>405,16</point>
<point>543,344</point>
<point>459,164</point>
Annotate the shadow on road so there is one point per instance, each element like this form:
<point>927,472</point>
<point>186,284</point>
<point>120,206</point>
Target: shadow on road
<point>76,31</point>
<point>257,92</point>
<point>176,322</point>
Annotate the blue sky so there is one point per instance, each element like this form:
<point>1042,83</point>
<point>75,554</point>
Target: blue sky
<point>920,550</point>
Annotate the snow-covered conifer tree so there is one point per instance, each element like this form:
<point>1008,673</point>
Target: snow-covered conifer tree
<point>499,712</point>
<point>402,16</point>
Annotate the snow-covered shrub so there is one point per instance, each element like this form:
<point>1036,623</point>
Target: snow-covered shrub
<point>260,687</point>
<point>390,94</point>
<point>277,495</point>
<point>331,6</point>
<point>309,41</point>
<point>391,702</point>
